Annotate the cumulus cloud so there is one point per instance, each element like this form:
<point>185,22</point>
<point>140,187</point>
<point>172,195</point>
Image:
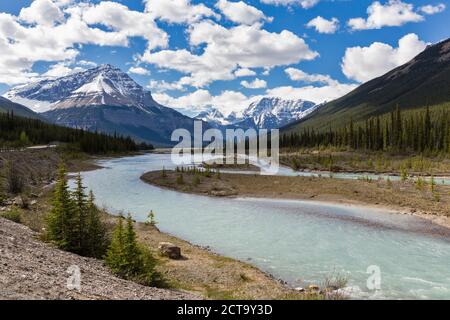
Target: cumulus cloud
<point>430,9</point>
<point>299,75</point>
<point>43,12</point>
<point>226,102</point>
<point>255,84</point>
<point>323,25</point>
<point>139,70</point>
<point>312,93</point>
<point>365,63</point>
<point>227,49</point>
<point>394,13</point>
<point>162,86</point>
<point>52,31</point>
<point>244,72</point>
<point>60,70</point>
<point>178,11</point>
<point>240,12</point>
<point>305,4</point>
<point>127,23</point>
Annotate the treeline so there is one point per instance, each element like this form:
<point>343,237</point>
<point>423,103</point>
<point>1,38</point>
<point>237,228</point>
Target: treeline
<point>18,132</point>
<point>398,131</point>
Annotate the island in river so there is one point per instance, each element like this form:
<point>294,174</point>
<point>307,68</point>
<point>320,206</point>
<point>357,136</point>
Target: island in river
<point>406,197</point>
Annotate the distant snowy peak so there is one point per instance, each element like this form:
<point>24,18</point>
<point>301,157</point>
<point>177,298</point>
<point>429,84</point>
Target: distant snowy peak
<point>274,112</point>
<point>103,85</point>
<point>214,116</point>
<point>266,113</point>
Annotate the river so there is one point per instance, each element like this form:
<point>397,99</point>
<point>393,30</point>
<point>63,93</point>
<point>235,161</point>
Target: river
<point>300,242</point>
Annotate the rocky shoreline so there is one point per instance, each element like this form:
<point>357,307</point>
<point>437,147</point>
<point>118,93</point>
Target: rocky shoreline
<point>32,269</point>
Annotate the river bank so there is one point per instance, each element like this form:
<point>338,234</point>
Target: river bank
<point>201,272</point>
<point>396,196</point>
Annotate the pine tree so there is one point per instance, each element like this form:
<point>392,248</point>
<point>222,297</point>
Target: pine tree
<point>115,257</point>
<point>133,256</point>
<point>61,222</point>
<point>127,258</point>
<point>96,231</point>
<point>80,205</point>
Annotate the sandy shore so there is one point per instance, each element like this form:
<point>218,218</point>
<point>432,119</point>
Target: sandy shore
<point>398,197</point>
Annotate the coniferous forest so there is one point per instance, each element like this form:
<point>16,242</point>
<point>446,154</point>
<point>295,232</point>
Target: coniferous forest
<point>398,131</point>
<point>18,132</point>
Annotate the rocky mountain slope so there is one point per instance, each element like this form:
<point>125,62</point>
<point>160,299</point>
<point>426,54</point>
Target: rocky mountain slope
<point>104,99</point>
<point>31,269</point>
<point>425,80</point>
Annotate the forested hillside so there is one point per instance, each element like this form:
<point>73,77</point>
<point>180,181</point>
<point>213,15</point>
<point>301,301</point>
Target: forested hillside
<point>17,132</point>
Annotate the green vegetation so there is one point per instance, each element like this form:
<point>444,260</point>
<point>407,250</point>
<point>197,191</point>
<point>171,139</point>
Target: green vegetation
<point>17,132</point>
<point>414,131</point>
<point>127,259</point>
<point>151,219</point>
<point>13,214</point>
<point>74,222</point>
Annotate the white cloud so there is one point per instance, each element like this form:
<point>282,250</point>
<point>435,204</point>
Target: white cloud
<point>244,72</point>
<point>43,12</point>
<point>240,12</point>
<point>392,14</point>
<point>255,84</point>
<point>430,9</point>
<point>139,70</point>
<point>299,75</point>
<point>323,25</point>
<point>162,86</point>
<point>178,11</point>
<point>226,101</point>
<point>60,70</point>
<point>52,31</point>
<point>87,64</point>
<point>312,93</point>
<point>227,49</point>
<point>127,22</point>
<point>365,63</point>
<point>305,4</point>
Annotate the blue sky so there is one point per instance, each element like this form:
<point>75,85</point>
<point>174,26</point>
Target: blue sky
<point>188,52</point>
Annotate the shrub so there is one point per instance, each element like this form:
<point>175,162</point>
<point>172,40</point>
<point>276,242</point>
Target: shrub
<point>14,181</point>
<point>127,258</point>
<point>13,215</point>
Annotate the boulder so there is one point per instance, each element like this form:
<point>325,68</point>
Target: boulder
<point>169,250</point>
<point>313,287</point>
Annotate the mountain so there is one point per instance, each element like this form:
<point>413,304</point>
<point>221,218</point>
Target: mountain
<point>425,80</point>
<point>273,113</point>
<point>266,113</point>
<point>19,110</point>
<point>104,99</point>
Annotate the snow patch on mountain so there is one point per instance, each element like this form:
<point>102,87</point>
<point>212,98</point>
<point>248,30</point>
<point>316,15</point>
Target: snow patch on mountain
<point>266,113</point>
<point>103,85</point>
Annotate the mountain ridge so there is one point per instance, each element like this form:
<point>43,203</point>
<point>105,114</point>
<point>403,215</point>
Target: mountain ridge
<point>425,80</point>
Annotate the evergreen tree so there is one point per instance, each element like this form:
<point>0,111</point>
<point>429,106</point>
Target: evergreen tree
<point>81,211</point>
<point>96,231</point>
<point>127,258</point>
<point>115,256</point>
<point>61,222</point>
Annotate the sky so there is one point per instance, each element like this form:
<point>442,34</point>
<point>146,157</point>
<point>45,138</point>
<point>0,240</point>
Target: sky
<point>193,55</point>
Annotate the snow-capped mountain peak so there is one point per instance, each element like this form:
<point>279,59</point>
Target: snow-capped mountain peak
<point>266,113</point>
<point>103,85</point>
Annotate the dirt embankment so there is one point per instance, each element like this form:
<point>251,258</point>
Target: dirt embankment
<point>405,197</point>
<point>31,269</point>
